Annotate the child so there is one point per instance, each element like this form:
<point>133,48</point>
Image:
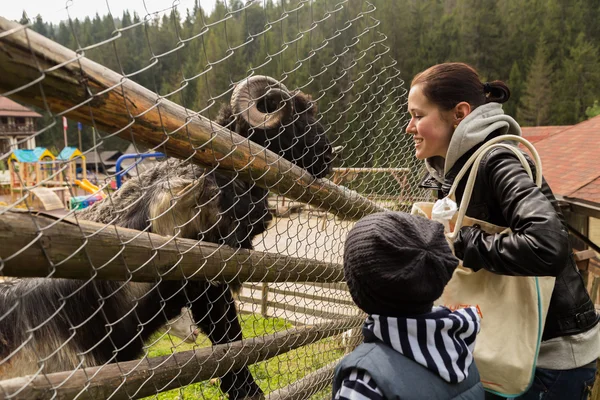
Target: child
<point>396,265</point>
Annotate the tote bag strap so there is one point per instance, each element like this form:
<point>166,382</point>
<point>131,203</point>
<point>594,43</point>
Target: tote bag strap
<point>476,158</point>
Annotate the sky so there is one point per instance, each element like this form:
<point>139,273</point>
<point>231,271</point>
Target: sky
<point>56,10</point>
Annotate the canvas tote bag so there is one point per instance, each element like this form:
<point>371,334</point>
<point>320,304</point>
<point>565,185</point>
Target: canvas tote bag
<point>512,309</point>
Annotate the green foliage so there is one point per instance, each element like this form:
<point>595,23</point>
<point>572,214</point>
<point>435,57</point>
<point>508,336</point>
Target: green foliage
<point>579,81</point>
<point>515,82</point>
<point>535,103</point>
<point>593,111</point>
<point>547,50</point>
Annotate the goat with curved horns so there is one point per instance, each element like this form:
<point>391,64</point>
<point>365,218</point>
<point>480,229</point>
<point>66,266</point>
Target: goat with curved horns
<point>66,324</point>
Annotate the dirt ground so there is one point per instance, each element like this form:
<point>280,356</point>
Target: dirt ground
<point>306,235</point>
<point>318,236</point>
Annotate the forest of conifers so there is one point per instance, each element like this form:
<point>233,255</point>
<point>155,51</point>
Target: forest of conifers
<point>546,50</point>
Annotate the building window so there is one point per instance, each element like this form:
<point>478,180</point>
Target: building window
<point>19,121</point>
<point>4,120</point>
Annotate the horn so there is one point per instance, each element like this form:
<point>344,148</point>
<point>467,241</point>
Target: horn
<point>247,94</point>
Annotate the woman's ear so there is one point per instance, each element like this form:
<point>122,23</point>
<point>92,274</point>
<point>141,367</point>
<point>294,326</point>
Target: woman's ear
<point>461,110</point>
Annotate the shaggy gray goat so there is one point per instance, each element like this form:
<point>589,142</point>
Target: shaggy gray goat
<point>69,323</point>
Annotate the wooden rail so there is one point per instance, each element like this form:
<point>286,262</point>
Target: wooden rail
<point>295,308</point>
<point>131,379</point>
<point>73,247</point>
<point>589,267</point>
<point>317,305</point>
<point>265,288</point>
<point>305,387</point>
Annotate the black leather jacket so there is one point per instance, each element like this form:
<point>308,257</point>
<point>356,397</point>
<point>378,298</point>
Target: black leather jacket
<point>506,196</point>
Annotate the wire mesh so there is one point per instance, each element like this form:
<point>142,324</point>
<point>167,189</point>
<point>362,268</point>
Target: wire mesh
<point>256,134</point>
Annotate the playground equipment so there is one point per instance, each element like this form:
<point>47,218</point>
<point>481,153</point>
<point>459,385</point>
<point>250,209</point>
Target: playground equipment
<point>78,202</point>
<point>139,157</point>
<point>73,156</point>
<point>87,186</point>
<point>28,167</point>
<point>49,178</point>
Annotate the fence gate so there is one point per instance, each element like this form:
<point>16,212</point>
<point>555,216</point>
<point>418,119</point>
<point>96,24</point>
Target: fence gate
<point>256,133</point>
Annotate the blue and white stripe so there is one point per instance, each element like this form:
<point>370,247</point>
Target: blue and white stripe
<point>442,341</point>
<point>359,385</point>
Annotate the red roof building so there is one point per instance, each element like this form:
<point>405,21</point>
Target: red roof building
<point>537,133</point>
<point>571,165</point>
<point>571,160</point>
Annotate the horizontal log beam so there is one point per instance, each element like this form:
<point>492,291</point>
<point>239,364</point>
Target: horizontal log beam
<point>95,95</point>
<point>28,242</point>
<point>131,379</point>
<point>370,170</point>
<point>306,387</point>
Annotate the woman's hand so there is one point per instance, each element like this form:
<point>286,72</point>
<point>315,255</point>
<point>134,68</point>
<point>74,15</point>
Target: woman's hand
<point>465,236</point>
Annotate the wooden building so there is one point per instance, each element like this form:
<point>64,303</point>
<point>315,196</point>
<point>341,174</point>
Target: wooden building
<point>17,126</point>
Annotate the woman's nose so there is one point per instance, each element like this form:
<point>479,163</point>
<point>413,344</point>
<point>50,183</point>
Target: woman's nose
<point>410,128</point>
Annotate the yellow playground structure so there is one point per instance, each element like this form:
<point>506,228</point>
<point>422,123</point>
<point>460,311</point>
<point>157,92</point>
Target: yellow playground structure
<point>29,167</point>
<point>50,178</point>
<point>72,156</point>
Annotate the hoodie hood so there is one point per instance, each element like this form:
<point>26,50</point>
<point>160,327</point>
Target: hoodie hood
<point>471,131</point>
<point>441,341</point>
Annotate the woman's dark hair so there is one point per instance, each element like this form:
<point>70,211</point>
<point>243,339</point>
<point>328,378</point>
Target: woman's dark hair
<point>448,84</point>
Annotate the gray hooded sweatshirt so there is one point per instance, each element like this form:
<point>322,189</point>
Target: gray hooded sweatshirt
<point>472,130</point>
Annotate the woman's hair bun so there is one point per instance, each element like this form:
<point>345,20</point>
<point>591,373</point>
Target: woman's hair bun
<point>496,91</point>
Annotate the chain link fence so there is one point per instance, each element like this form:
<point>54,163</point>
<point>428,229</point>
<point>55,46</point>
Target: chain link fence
<point>176,191</point>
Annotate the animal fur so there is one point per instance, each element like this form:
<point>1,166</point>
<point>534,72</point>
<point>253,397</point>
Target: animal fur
<point>67,324</point>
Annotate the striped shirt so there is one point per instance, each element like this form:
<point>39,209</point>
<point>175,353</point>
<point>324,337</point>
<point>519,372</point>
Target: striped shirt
<point>359,385</point>
<point>442,341</point>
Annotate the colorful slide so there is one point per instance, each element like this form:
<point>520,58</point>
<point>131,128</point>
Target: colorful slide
<point>79,202</point>
<point>87,186</point>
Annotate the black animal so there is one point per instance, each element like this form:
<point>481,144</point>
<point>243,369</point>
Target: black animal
<point>68,323</point>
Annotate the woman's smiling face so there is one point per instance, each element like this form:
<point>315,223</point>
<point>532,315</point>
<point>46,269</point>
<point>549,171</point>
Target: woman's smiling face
<point>431,127</point>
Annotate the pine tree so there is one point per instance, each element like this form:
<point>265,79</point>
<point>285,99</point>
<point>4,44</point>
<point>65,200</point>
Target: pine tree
<point>578,81</point>
<point>24,19</point>
<point>40,27</point>
<point>515,83</point>
<point>478,39</point>
<point>535,103</point>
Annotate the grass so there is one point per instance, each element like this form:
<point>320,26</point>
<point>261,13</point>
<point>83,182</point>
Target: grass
<point>270,375</point>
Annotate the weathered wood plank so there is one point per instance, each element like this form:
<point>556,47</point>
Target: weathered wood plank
<point>131,380</point>
<point>73,247</point>
<point>303,295</point>
<point>305,387</point>
<point>88,92</point>
<point>295,308</point>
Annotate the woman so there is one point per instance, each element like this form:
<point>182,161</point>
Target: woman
<point>452,114</point>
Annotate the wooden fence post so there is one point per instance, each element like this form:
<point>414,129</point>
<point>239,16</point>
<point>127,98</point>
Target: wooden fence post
<point>264,301</point>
